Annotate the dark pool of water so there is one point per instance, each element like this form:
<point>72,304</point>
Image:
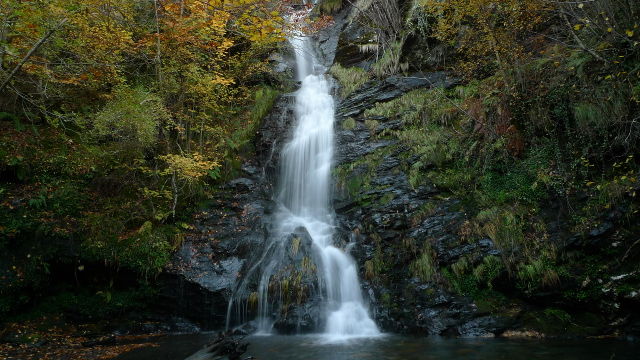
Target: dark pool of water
<point>407,348</point>
<point>170,347</point>
<point>392,347</point>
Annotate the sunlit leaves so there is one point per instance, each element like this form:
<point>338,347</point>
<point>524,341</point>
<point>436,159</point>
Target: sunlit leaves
<point>189,168</point>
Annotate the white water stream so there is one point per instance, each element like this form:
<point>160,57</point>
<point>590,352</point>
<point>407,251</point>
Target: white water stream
<point>304,197</point>
<point>305,194</point>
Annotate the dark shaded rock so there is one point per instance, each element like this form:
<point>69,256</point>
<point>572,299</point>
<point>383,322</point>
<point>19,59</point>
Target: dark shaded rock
<point>223,347</point>
<point>389,89</point>
<point>486,326</point>
<point>241,184</point>
<point>348,52</point>
<point>245,329</point>
<point>300,318</point>
<point>601,230</point>
<point>327,38</point>
<point>272,135</point>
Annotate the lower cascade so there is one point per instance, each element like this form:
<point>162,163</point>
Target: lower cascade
<point>304,206</point>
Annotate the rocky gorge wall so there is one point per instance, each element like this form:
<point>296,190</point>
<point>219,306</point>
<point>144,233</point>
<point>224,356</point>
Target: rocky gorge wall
<point>408,239</point>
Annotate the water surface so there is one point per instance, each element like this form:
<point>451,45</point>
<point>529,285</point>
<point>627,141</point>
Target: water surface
<point>395,347</point>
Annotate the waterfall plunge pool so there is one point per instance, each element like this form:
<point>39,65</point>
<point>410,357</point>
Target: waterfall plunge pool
<point>397,347</point>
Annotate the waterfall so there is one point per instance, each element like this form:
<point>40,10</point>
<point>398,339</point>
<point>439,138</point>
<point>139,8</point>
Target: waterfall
<point>304,199</point>
<point>305,193</point>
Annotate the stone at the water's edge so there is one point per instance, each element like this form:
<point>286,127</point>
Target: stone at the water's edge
<point>224,346</point>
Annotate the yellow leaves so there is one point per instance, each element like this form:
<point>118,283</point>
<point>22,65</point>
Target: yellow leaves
<point>218,80</point>
<point>629,33</point>
<point>577,27</point>
<point>188,168</point>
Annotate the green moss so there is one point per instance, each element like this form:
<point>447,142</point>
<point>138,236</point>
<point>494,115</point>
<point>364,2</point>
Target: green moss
<point>349,123</point>
<point>427,209</point>
<point>376,267</point>
<point>386,299</point>
<point>330,6</point>
<point>356,177</point>
<point>538,273</point>
<point>350,79</point>
<point>387,198</point>
<point>372,125</point>
<point>147,251</point>
<point>554,321</point>
<point>421,107</point>
<point>505,228</point>
<point>389,62</point>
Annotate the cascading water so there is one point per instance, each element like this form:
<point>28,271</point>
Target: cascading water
<point>304,197</point>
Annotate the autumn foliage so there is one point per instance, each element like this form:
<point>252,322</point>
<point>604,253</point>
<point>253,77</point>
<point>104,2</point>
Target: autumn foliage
<point>115,118</point>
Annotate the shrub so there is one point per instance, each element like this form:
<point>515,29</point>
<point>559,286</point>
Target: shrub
<point>349,123</point>
<point>133,115</point>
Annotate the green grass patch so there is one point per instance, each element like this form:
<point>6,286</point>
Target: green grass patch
<point>350,78</point>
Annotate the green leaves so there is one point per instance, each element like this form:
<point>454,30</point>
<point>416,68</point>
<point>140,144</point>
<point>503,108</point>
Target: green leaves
<point>133,115</point>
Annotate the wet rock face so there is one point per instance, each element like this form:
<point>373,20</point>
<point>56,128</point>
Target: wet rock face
<point>294,287</point>
<point>388,89</point>
<point>392,221</point>
<point>301,318</point>
<point>202,275</point>
<point>328,38</point>
<point>274,132</point>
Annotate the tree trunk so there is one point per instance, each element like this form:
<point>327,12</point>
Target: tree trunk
<point>158,58</point>
<point>35,48</point>
<point>174,187</point>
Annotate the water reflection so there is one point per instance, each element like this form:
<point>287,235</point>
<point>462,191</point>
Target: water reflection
<point>407,348</point>
<point>394,347</point>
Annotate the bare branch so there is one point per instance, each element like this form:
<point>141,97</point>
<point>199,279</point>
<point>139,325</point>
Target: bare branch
<point>35,48</point>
